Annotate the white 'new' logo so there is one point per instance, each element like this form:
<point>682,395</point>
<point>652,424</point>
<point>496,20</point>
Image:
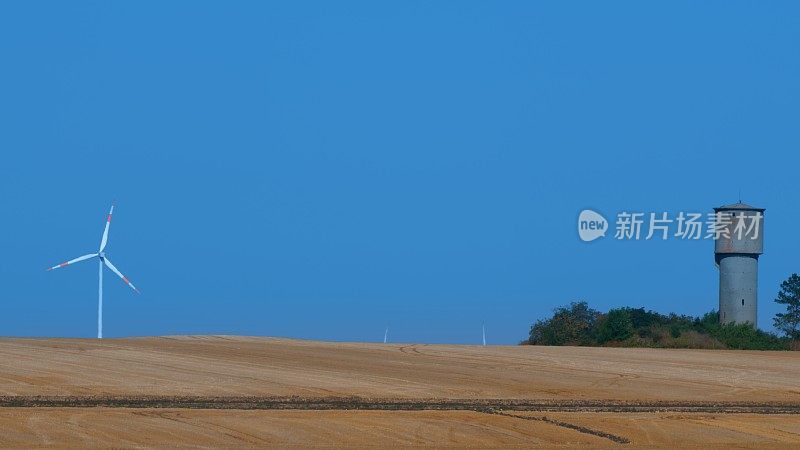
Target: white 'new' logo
<point>591,225</point>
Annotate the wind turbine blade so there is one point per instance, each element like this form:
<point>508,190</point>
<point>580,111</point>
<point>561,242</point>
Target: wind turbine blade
<point>125,279</point>
<point>105,232</point>
<point>73,261</point>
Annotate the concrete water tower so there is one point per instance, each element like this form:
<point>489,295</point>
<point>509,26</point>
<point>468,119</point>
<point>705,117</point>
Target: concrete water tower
<point>736,251</point>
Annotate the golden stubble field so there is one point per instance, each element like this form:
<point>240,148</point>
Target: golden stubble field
<point>223,366</point>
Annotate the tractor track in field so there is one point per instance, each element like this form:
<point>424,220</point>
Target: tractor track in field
<point>394,404</point>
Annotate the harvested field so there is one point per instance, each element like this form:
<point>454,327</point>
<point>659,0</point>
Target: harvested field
<point>219,391</point>
<point>243,366</point>
<point>101,427</point>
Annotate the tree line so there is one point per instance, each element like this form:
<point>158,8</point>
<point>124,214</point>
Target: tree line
<point>578,324</point>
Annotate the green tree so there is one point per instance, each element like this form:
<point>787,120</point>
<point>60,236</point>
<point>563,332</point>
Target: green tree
<point>571,325</point>
<point>645,319</point>
<point>615,326</point>
<point>708,322</point>
<point>789,295</point>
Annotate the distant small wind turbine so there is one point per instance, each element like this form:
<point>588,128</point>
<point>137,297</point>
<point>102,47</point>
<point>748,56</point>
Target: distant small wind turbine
<point>483,328</point>
<point>386,335</point>
<point>102,260</point>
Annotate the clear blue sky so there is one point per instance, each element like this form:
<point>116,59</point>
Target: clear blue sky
<point>322,170</point>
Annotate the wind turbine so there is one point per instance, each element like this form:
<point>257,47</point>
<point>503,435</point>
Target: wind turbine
<point>386,335</point>
<point>483,328</point>
<point>101,260</point>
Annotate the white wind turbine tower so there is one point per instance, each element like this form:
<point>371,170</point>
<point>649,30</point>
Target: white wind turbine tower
<point>386,335</point>
<point>101,260</point>
<point>483,328</point>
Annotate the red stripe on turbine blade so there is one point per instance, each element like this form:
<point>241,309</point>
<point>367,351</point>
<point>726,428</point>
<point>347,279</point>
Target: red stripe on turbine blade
<point>126,280</point>
<point>63,264</point>
<point>109,218</point>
